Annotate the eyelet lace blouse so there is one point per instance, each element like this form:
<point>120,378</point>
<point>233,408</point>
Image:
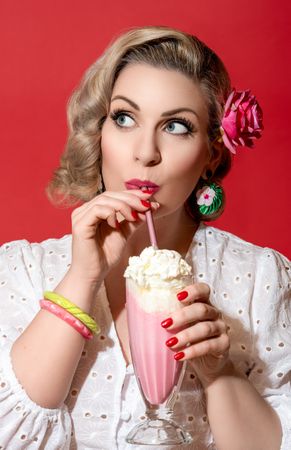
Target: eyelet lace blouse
<point>249,284</point>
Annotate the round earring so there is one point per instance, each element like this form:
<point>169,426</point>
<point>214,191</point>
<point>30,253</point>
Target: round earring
<point>209,198</point>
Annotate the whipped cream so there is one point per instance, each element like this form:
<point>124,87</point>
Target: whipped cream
<point>156,276</point>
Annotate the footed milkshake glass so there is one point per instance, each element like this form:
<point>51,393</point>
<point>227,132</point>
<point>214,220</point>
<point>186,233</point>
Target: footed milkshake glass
<point>159,375</point>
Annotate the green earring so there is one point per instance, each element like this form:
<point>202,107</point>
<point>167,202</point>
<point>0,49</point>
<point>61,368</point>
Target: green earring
<point>209,198</point>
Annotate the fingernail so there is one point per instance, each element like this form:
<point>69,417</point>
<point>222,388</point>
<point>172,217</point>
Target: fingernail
<point>166,323</point>
<point>134,214</point>
<point>182,295</point>
<point>147,191</point>
<point>172,341</point>
<point>179,356</point>
<point>146,203</point>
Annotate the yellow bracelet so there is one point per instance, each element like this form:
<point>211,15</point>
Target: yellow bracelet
<point>74,310</point>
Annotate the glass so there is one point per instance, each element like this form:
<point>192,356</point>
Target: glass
<point>159,375</point>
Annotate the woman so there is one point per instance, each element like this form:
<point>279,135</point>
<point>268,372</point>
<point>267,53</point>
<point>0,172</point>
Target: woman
<point>149,127</point>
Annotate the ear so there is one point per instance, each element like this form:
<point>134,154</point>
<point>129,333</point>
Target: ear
<point>214,159</point>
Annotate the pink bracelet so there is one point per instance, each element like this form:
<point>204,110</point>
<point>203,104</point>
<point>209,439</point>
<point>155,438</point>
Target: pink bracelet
<point>67,317</point>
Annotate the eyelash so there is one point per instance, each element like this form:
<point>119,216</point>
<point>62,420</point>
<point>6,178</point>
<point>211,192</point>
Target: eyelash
<point>114,115</point>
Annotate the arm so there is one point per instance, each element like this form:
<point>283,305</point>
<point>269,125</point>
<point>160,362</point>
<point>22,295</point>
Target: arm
<point>238,415</point>
<point>49,349</point>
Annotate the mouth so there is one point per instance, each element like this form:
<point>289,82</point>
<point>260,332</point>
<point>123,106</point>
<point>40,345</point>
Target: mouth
<point>144,185</point>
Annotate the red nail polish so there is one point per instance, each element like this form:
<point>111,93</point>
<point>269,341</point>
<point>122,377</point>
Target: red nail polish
<point>179,356</point>
<point>146,203</point>
<point>134,214</point>
<point>147,191</point>
<point>166,323</point>
<point>182,295</point>
<point>172,341</point>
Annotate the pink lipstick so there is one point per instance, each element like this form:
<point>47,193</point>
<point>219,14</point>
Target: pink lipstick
<point>145,185</point>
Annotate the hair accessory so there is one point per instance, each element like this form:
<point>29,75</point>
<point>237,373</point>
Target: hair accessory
<point>67,317</point>
<point>209,198</point>
<point>242,121</point>
<point>74,310</point>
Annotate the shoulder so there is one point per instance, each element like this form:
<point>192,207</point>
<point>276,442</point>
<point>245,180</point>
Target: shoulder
<point>223,255</point>
<point>226,244</point>
<point>33,265</point>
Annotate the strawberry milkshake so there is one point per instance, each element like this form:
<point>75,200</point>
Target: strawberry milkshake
<point>152,282</point>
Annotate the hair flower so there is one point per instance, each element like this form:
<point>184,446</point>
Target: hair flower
<point>242,121</point>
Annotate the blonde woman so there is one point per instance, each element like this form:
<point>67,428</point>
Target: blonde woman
<point>153,125</point>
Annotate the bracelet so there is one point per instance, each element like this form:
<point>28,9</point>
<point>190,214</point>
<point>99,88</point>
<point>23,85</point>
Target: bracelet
<point>74,310</point>
<point>67,317</point>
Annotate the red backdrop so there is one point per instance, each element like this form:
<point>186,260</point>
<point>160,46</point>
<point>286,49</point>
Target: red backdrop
<point>46,46</point>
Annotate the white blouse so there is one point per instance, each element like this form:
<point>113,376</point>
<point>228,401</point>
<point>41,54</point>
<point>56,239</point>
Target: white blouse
<point>249,284</point>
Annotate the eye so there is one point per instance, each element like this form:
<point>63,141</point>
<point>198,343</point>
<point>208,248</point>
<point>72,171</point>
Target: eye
<point>181,126</point>
<point>122,119</point>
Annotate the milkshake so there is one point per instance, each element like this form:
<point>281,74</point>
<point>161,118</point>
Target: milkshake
<point>153,280</point>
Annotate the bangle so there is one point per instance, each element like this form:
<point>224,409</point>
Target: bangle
<point>74,310</point>
<point>67,317</point>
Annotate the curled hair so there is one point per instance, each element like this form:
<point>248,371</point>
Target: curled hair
<point>79,178</point>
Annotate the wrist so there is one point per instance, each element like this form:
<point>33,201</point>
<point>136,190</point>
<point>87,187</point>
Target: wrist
<point>227,372</point>
<point>82,292</point>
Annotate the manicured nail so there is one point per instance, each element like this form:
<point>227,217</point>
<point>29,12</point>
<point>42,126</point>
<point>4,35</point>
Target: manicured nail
<point>166,323</point>
<point>172,341</point>
<point>182,295</point>
<point>179,356</point>
<point>146,203</point>
<point>147,191</point>
<point>134,214</point>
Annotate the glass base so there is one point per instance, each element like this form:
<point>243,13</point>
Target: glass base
<point>158,432</point>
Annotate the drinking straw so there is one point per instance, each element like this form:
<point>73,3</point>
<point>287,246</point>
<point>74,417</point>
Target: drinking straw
<point>151,228</point>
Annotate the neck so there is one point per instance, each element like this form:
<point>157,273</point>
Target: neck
<point>174,232</point>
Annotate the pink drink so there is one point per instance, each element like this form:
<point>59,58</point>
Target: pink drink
<point>156,369</point>
<point>152,282</point>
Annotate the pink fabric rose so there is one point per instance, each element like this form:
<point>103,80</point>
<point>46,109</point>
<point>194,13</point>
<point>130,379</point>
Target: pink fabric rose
<point>242,121</point>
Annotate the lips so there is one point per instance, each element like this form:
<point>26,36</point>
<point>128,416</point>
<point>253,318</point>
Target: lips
<point>148,185</point>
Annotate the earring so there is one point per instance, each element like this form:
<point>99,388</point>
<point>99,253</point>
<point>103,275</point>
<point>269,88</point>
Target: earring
<point>209,198</point>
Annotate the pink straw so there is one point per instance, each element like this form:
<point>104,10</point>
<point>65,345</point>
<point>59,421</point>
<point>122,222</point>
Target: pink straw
<point>151,228</point>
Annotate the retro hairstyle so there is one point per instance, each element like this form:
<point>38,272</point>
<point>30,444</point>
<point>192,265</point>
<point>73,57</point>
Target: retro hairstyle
<point>79,177</point>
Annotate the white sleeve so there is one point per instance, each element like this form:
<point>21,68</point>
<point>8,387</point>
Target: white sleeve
<point>271,321</point>
<point>25,271</point>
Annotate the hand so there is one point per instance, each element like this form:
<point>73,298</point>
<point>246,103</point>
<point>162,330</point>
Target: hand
<point>203,337</point>
<point>98,237</point>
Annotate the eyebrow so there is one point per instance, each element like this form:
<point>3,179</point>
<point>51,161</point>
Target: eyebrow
<point>164,114</point>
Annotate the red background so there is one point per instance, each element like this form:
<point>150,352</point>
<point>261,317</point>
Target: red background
<point>45,48</point>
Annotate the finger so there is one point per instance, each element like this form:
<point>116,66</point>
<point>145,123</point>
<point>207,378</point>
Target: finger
<point>122,195</point>
<point>216,346</point>
<point>194,292</point>
<point>196,312</point>
<point>86,226</point>
<point>197,333</point>
<point>130,208</point>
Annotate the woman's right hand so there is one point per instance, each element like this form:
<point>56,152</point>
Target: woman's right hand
<point>98,239</point>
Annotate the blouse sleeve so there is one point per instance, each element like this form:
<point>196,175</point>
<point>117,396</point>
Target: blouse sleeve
<point>26,270</point>
<point>271,321</point>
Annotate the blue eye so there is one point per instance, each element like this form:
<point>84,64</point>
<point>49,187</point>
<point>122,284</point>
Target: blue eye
<point>122,119</point>
<point>180,126</point>
<point>177,128</point>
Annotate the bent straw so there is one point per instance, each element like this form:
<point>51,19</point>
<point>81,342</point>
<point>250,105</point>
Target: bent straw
<point>151,228</point>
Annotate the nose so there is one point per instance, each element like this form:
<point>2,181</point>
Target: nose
<point>147,151</point>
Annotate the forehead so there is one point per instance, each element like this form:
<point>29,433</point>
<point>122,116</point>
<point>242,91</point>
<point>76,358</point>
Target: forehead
<point>163,88</point>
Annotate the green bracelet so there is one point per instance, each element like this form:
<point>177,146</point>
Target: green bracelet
<point>74,310</point>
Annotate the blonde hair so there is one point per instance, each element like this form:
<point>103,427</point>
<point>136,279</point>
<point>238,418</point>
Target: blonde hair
<point>78,177</point>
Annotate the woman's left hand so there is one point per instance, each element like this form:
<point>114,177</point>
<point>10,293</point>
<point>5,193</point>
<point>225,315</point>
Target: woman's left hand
<point>203,338</point>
